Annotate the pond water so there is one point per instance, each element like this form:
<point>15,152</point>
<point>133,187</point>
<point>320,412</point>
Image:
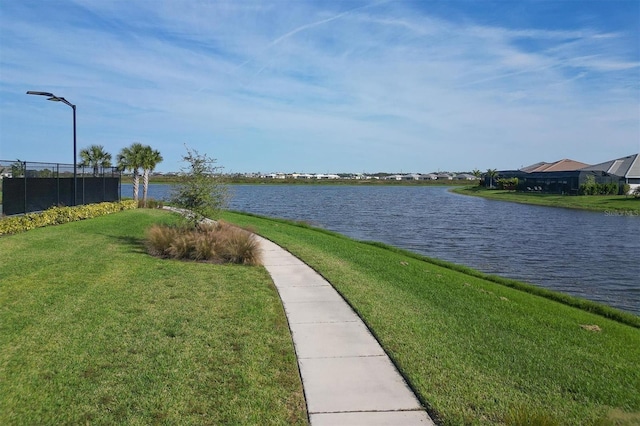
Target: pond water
<point>587,254</point>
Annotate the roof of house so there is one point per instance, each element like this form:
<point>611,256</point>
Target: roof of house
<point>628,166</point>
<point>559,166</point>
<point>532,167</point>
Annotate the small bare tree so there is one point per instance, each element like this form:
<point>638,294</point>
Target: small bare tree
<point>200,188</point>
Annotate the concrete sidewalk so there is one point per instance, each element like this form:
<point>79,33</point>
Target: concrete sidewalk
<point>347,378</point>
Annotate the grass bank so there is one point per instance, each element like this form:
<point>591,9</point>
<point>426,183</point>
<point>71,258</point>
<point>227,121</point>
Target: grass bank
<point>94,330</point>
<point>616,204</point>
<point>476,351</point>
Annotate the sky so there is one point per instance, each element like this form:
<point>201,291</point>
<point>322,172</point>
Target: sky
<point>324,86</point>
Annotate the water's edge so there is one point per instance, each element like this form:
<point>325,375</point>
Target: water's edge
<point>581,253</point>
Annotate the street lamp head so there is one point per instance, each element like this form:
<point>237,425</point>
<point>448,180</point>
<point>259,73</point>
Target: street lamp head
<point>31,92</point>
<point>51,97</point>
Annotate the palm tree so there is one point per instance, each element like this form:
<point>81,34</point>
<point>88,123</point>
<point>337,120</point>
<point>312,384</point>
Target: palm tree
<point>96,157</point>
<point>131,159</point>
<point>478,174</point>
<point>492,173</point>
<point>150,159</point>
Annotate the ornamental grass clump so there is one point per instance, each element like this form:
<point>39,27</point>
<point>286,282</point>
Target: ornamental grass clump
<point>181,246</point>
<point>238,246</point>
<point>206,242</point>
<point>159,238</point>
<point>203,246</point>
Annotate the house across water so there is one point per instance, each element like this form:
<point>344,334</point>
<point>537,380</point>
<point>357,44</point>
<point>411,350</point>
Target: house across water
<point>566,176</point>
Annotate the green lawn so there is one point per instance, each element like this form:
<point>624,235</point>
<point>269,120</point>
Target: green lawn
<point>620,204</point>
<point>94,330</point>
<point>475,351</point>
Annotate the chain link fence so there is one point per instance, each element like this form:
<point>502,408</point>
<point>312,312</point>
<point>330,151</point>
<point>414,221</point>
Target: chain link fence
<point>28,186</point>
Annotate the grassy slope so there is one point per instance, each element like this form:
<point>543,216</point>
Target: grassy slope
<point>475,351</point>
<point>92,329</point>
<point>610,203</point>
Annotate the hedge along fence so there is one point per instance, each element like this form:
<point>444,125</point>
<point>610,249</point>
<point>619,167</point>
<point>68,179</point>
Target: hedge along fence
<point>59,215</point>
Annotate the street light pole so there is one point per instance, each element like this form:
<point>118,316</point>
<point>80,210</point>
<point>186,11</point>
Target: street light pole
<point>54,98</point>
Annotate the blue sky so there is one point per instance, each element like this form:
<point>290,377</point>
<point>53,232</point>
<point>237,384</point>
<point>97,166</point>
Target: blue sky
<point>324,86</point>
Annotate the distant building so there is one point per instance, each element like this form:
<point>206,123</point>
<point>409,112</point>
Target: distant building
<point>563,165</point>
<point>465,176</point>
<point>627,168</point>
<point>566,176</point>
<point>393,177</point>
<point>428,176</point>
<point>444,176</point>
<point>274,176</point>
<point>326,176</point>
<point>411,176</point>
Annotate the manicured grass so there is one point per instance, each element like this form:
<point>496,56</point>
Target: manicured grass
<point>94,330</point>
<point>619,204</point>
<point>475,351</point>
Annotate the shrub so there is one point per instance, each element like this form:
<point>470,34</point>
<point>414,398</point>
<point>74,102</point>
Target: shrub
<point>214,242</point>
<point>612,188</point>
<point>206,241</point>
<point>636,192</point>
<point>159,240</point>
<point>60,215</point>
<point>509,184</point>
<point>200,189</point>
<point>624,189</point>
<point>590,187</point>
<point>239,246</point>
<point>181,246</point>
<point>204,246</point>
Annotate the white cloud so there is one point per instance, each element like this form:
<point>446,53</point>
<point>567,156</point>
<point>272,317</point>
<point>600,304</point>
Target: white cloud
<point>389,87</point>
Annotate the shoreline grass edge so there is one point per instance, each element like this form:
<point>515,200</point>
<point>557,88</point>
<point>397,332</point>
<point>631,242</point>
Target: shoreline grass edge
<point>565,299</point>
<point>613,204</point>
<point>474,350</point>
